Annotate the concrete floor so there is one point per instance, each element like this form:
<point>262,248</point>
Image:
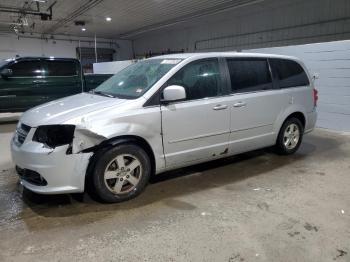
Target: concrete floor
<point>253,207</point>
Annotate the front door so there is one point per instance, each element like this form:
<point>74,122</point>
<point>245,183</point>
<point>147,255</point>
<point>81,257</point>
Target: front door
<point>17,91</point>
<point>198,128</point>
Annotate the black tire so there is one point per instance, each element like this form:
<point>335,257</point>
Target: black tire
<point>280,146</point>
<point>103,188</point>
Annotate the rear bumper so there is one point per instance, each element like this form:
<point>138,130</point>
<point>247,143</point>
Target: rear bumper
<point>62,173</point>
<point>310,121</point>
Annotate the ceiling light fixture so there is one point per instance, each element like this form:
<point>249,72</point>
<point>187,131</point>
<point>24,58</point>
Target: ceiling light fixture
<point>83,29</point>
<point>108,19</point>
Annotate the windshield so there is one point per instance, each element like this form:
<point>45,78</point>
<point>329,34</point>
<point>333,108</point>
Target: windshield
<point>3,62</point>
<point>133,81</point>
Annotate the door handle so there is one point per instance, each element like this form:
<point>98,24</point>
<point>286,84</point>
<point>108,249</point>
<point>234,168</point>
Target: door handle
<point>240,104</point>
<point>220,107</point>
<point>38,81</point>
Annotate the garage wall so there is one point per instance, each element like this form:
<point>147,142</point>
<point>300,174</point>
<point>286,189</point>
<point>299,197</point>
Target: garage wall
<point>266,24</point>
<point>292,24</point>
<point>331,62</point>
<point>11,46</point>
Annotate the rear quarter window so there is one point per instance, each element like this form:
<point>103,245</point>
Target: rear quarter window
<point>61,68</point>
<point>289,73</point>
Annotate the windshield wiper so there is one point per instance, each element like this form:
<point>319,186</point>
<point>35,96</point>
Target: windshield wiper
<point>102,93</point>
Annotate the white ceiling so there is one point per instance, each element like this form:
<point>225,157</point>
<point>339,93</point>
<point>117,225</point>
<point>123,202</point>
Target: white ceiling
<point>129,17</point>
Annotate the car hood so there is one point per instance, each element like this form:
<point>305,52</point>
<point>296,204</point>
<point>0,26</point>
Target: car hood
<point>62,110</point>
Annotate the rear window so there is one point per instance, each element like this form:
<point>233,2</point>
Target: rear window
<point>61,68</point>
<point>289,73</point>
<point>248,75</point>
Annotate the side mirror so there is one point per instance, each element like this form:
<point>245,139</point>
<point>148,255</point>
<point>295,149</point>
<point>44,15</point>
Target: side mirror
<point>6,72</point>
<point>173,93</point>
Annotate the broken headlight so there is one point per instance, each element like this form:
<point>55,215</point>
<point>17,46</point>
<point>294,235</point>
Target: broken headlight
<point>54,135</point>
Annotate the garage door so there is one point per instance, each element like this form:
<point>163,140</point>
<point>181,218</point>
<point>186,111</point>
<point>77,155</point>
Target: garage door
<point>331,62</point>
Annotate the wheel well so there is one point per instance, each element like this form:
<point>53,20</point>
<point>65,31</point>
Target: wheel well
<point>105,145</point>
<point>135,140</point>
<point>299,116</point>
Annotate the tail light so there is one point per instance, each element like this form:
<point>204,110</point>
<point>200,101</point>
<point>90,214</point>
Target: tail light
<point>315,95</point>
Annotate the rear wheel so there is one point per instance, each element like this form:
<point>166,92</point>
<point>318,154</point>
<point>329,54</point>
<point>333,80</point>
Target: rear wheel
<point>121,173</point>
<point>290,136</point>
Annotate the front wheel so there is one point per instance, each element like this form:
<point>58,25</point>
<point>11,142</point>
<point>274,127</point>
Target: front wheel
<point>290,136</point>
<point>121,173</point>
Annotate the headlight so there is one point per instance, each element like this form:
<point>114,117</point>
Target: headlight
<point>54,135</point>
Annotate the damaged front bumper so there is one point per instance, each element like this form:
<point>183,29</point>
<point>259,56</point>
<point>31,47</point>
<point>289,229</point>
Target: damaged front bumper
<point>62,172</point>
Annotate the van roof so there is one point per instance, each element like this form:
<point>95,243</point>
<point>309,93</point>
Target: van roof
<point>221,54</point>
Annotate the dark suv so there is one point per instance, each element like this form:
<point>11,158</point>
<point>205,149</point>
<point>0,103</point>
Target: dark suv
<point>29,81</point>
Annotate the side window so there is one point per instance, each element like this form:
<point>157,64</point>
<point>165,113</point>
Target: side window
<point>26,69</point>
<point>248,75</point>
<point>289,73</point>
<point>61,68</point>
<point>200,79</point>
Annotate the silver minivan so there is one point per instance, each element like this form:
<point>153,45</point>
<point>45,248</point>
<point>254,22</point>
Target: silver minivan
<point>160,114</point>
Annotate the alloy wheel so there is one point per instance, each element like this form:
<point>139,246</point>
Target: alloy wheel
<point>123,174</point>
<point>291,136</point>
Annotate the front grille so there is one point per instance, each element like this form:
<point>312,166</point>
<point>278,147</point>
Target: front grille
<point>31,176</point>
<point>21,133</point>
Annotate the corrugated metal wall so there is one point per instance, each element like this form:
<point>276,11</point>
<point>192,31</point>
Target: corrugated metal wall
<point>274,23</point>
<point>331,62</point>
<point>266,24</point>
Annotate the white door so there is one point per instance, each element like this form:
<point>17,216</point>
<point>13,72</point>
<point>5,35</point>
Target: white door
<point>255,104</point>
<point>198,128</point>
